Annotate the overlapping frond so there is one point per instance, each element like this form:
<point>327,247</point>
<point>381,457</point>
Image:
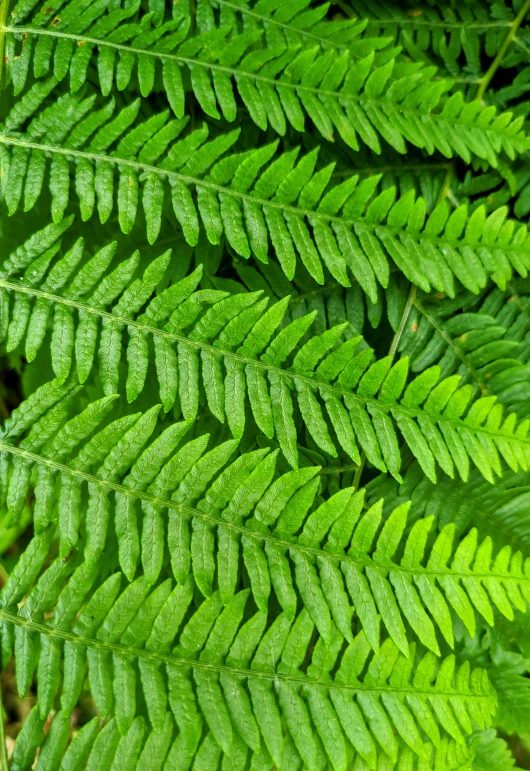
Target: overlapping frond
<point>213,576</point>
<point>457,37</point>
<point>487,342</point>
<point>508,671</point>
<point>231,347</point>
<point>333,303</point>
<point>286,24</point>
<point>492,753</point>
<point>233,683</point>
<point>283,24</point>
<point>279,85</point>
<point>501,511</point>
<point>214,512</point>
<point>253,197</point>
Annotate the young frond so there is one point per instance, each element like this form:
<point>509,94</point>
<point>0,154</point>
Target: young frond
<point>280,85</point>
<point>257,686</point>
<point>211,510</point>
<point>253,197</point>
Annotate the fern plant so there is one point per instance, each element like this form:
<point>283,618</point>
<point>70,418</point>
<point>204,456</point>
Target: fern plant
<point>265,340</point>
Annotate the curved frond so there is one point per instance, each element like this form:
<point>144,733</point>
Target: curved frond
<point>239,353</point>
<point>279,85</point>
<point>253,197</point>
<point>156,661</point>
<point>214,512</point>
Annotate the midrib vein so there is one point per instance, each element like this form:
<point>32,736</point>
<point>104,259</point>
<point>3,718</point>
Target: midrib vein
<point>342,96</point>
<point>190,61</point>
<point>238,671</point>
<point>199,182</point>
<point>267,20</point>
<point>288,375</point>
<point>384,567</point>
<point>433,321</point>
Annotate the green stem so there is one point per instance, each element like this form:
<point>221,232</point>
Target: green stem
<point>3,18</point>
<point>492,69</point>
<point>404,318</point>
<point>446,184</point>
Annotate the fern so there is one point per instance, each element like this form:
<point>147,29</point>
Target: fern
<point>240,665</point>
<point>233,349</point>
<point>485,343</point>
<point>277,83</point>
<point>264,379</point>
<point>285,198</point>
<point>261,518</point>
<point>451,35</point>
<point>500,511</point>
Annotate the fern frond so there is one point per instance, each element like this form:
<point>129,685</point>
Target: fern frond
<point>285,24</point>
<point>398,102</point>
<point>308,548</point>
<point>500,511</point>
<point>486,342</point>
<point>252,683</point>
<point>231,346</point>
<point>509,673</point>
<point>453,36</point>
<point>216,509</point>
<point>492,753</point>
<point>251,197</point>
<point>281,24</point>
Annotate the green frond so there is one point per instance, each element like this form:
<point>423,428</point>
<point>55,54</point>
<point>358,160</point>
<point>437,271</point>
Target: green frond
<point>294,235</point>
<point>156,660</point>
<point>509,673</point>
<point>485,340</point>
<point>280,85</point>
<point>286,24</point>
<point>252,197</point>
<point>282,24</point>
<point>501,511</point>
<point>450,35</point>
<point>239,353</point>
<point>492,753</point>
<point>211,510</point>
